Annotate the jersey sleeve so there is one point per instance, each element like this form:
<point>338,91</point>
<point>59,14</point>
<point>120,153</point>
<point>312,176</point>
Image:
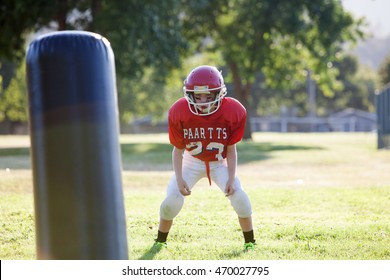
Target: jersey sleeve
<point>238,122</point>
<point>175,129</point>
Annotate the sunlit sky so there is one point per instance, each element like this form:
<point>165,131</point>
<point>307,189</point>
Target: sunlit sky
<point>376,12</point>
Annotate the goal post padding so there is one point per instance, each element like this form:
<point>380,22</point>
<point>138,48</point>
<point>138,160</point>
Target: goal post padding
<point>382,103</point>
<point>75,149</point>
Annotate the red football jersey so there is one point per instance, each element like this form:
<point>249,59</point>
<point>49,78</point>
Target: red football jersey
<point>206,137</point>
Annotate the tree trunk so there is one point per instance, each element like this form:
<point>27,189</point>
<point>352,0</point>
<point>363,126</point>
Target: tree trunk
<point>242,93</point>
<point>95,9</point>
<point>62,10</point>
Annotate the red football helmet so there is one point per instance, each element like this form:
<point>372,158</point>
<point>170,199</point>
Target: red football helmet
<point>207,80</point>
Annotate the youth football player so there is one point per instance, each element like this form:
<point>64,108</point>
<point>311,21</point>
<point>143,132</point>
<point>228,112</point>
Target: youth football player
<point>204,127</point>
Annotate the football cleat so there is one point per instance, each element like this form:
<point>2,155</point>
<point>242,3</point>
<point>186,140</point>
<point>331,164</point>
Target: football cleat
<point>250,246</point>
<point>160,245</point>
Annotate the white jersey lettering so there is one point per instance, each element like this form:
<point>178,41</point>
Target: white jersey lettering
<point>201,133</point>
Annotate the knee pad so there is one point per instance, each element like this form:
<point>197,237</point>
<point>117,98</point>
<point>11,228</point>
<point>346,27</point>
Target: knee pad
<point>171,206</point>
<point>241,204</point>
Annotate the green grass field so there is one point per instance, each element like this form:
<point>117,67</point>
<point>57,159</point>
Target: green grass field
<point>314,196</point>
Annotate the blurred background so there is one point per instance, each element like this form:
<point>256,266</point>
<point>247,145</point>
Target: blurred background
<point>296,65</point>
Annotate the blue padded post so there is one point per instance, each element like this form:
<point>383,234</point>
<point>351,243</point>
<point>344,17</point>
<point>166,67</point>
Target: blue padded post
<point>75,150</point>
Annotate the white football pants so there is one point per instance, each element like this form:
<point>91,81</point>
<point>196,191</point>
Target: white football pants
<point>194,170</point>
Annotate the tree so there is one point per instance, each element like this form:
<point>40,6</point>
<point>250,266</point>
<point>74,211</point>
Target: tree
<point>384,71</point>
<point>147,42</point>
<point>358,87</point>
<point>252,35</point>
<point>280,39</point>
<point>13,105</point>
<point>17,20</point>
<point>145,35</point>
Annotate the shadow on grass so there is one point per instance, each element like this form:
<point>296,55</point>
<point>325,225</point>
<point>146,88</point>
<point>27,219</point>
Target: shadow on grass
<point>4,152</point>
<point>231,255</point>
<point>146,156</point>
<point>15,158</point>
<point>151,253</point>
<point>157,156</point>
<point>255,151</point>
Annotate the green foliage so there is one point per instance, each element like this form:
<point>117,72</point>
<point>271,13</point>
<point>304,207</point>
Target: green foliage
<point>142,34</point>
<point>357,91</point>
<point>141,97</point>
<point>145,36</point>
<point>253,34</point>
<point>155,43</point>
<point>17,19</point>
<point>13,105</point>
<point>384,71</point>
<point>150,96</point>
<point>281,39</point>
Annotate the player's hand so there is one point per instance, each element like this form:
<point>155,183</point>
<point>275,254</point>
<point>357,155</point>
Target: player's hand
<point>183,188</point>
<point>230,189</point>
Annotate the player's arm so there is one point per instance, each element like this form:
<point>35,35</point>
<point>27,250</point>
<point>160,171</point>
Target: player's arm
<point>231,157</point>
<point>177,161</point>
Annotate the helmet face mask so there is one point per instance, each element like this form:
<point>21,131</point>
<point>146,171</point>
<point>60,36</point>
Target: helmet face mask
<point>204,80</point>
